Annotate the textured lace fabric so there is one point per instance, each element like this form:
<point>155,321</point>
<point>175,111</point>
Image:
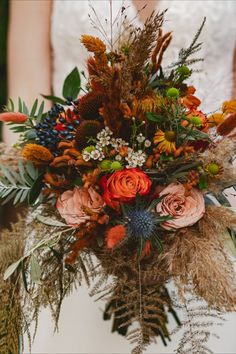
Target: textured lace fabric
<point>214,80</point>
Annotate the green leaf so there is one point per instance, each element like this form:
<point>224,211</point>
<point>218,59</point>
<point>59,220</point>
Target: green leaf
<point>140,247</point>
<point>8,175</point>
<point>40,112</point>
<point>71,87</point>
<point>198,135</point>
<point>154,118</point>
<point>34,108</point>
<point>156,242</point>
<point>35,190</point>
<point>10,105</point>
<point>35,270</point>
<point>31,170</point>
<point>20,108</point>
<point>25,109</point>
<point>11,269</point>
<point>54,99</point>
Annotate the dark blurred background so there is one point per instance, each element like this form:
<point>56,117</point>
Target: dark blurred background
<point>3,68</point>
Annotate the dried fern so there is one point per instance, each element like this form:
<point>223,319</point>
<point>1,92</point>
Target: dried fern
<point>197,324</point>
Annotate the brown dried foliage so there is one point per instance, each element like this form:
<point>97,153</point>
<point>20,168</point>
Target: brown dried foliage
<point>198,256</point>
<point>11,320</point>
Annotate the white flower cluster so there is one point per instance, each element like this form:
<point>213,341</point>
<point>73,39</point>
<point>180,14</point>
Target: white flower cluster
<point>141,138</point>
<point>104,137</point>
<point>135,158</point>
<point>96,154</point>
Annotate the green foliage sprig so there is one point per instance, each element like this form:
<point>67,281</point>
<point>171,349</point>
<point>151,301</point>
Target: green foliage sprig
<point>22,186</point>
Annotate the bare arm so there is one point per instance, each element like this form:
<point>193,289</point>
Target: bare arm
<point>29,54</point>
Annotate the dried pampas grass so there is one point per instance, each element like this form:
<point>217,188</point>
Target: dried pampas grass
<point>11,321</point>
<point>199,256</point>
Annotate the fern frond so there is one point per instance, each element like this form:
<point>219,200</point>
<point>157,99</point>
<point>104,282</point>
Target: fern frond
<point>17,186</point>
<point>197,323</point>
<point>193,48</point>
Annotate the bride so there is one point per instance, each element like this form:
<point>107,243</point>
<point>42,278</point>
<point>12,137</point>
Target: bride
<point>44,47</point>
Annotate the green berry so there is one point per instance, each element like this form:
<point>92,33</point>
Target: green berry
<point>213,168</point>
<point>184,71</point>
<point>89,148</point>
<point>196,121</point>
<point>172,92</point>
<point>116,165</point>
<point>105,165</point>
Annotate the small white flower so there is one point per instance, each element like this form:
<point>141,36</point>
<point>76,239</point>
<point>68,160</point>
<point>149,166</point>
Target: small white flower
<point>118,158</point>
<point>140,138</point>
<point>104,141</point>
<point>108,131</point>
<point>95,154</point>
<point>147,143</point>
<point>86,156</point>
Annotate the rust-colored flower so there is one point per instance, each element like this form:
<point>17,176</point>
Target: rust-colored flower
<point>228,126</point>
<point>190,101</point>
<point>186,209</point>
<point>124,185</point>
<point>13,117</point>
<point>79,205</point>
<point>115,235</point>
<point>37,154</point>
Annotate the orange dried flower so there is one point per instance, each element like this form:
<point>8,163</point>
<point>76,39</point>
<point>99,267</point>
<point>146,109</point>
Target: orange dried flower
<point>14,117</point>
<point>229,106</point>
<point>93,44</point>
<point>115,235</point>
<point>37,154</point>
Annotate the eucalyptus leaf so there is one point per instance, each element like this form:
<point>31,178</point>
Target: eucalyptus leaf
<point>11,269</point>
<point>35,270</point>
<point>50,221</point>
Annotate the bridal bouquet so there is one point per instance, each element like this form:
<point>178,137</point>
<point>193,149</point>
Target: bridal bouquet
<point>127,169</point>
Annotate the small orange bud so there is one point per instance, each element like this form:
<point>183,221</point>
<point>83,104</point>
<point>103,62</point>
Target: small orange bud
<point>13,117</point>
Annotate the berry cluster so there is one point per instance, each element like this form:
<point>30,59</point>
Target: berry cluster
<point>59,124</point>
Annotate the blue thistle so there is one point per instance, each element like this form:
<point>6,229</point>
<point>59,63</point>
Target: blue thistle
<point>140,224</point>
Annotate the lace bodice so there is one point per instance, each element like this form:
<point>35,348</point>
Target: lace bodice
<point>214,81</point>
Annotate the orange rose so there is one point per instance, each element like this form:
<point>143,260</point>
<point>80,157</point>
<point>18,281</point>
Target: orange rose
<point>123,186</point>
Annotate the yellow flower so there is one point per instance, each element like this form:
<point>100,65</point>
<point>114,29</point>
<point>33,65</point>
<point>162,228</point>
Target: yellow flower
<point>215,119</point>
<point>165,141</point>
<point>229,106</point>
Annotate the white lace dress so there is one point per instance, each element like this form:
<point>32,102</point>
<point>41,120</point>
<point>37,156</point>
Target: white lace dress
<point>82,329</point>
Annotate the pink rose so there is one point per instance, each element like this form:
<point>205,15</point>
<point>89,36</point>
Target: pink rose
<point>186,209</point>
<point>75,206</point>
